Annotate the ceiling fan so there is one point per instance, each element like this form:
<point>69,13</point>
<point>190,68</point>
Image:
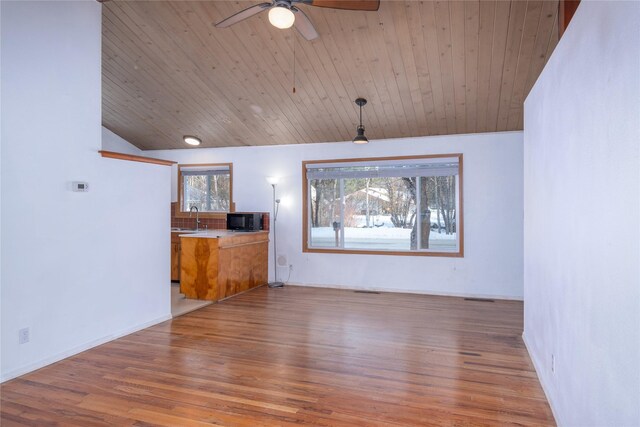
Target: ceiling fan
<point>285,13</point>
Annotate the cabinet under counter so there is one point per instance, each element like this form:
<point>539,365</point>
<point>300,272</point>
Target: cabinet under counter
<point>217,264</point>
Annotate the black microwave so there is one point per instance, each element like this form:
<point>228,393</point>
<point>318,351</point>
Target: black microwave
<point>244,221</point>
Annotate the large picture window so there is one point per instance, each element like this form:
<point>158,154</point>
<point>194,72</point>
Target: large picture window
<point>207,187</point>
<point>402,205</point>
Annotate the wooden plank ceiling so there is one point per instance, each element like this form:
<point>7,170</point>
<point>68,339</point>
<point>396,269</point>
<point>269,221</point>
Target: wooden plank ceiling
<point>426,68</point>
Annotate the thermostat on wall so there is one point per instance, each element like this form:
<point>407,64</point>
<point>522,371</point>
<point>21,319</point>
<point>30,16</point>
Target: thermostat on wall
<point>80,186</point>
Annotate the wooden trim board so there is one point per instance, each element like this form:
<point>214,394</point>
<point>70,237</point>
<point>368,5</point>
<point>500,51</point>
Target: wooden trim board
<point>134,158</point>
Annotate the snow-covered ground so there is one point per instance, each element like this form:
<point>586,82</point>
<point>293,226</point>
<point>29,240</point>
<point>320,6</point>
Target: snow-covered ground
<point>384,237</point>
<point>360,221</point>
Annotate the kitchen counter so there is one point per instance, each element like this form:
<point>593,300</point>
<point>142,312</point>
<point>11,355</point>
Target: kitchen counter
<point>217,264</point>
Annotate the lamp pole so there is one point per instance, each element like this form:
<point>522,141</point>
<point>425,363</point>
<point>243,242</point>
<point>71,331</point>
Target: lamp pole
<point>276,204</point>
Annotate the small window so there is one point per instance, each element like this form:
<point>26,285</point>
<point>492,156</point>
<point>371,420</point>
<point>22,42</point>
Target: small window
<point>398,206</point>
<point>205,187</point>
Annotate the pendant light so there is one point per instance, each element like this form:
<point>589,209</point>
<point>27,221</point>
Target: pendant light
<point>360,138</point>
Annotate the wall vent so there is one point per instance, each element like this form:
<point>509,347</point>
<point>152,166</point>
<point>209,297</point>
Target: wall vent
<point>366,292</point>
<point>480,299</point>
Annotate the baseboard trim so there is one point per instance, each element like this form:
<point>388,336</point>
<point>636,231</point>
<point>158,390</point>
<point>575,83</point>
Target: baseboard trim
<point>543,384</point>
<point>409,291</point>
<point>79,349</point>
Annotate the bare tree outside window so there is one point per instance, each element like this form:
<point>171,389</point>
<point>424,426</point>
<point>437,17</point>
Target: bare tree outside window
<point>209,193</point>
<point>206,187</point>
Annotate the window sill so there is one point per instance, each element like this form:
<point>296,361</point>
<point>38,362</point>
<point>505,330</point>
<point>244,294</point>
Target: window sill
<point>459,254</point>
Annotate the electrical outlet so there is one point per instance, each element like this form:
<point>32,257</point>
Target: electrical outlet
<point>23,336</point>
<point>290,267</point>
<point>553,363</point>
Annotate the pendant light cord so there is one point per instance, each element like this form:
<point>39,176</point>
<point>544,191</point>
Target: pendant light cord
<point>294,61</point>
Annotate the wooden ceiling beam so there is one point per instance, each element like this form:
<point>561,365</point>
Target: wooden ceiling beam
<point>566,10</point>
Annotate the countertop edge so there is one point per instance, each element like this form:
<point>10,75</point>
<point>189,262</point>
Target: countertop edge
<point>219,234</point>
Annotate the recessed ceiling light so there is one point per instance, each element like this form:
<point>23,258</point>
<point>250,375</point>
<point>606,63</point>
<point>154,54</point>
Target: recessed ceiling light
<point>192,140</point>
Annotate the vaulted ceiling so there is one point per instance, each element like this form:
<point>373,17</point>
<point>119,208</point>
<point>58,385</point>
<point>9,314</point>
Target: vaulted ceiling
<point>426,68</point>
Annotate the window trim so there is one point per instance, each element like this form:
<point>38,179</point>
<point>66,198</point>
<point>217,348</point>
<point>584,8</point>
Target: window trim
<point>306,209</point>
<point>215,215</point>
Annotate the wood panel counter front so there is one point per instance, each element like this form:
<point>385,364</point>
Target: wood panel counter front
<point>218,264</point>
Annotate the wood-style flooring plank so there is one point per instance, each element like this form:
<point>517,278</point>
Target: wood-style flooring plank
<point>297,356</point>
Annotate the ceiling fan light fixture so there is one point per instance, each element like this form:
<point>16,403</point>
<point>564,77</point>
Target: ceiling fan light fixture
<point>281,17</point>
<point>191,140</point>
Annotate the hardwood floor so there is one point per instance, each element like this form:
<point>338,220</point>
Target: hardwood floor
<point>296,356</point>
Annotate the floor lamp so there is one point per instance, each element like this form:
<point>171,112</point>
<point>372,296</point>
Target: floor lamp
<point>273,180</point>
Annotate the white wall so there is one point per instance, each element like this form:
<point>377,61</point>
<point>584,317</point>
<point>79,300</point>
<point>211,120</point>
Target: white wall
<point>113,142</point>
<point>492,264</point>
<point>582,216</point>
<point>77,268</point>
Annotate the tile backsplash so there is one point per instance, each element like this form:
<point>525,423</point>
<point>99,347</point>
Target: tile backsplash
<point>211,223</point>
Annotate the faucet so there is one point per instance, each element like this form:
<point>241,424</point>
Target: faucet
<point>197,216</point>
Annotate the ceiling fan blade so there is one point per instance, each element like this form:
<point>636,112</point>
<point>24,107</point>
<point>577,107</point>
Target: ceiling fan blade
<point>242,15</point>
<point>369,5</point>
<point>303,24</point>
